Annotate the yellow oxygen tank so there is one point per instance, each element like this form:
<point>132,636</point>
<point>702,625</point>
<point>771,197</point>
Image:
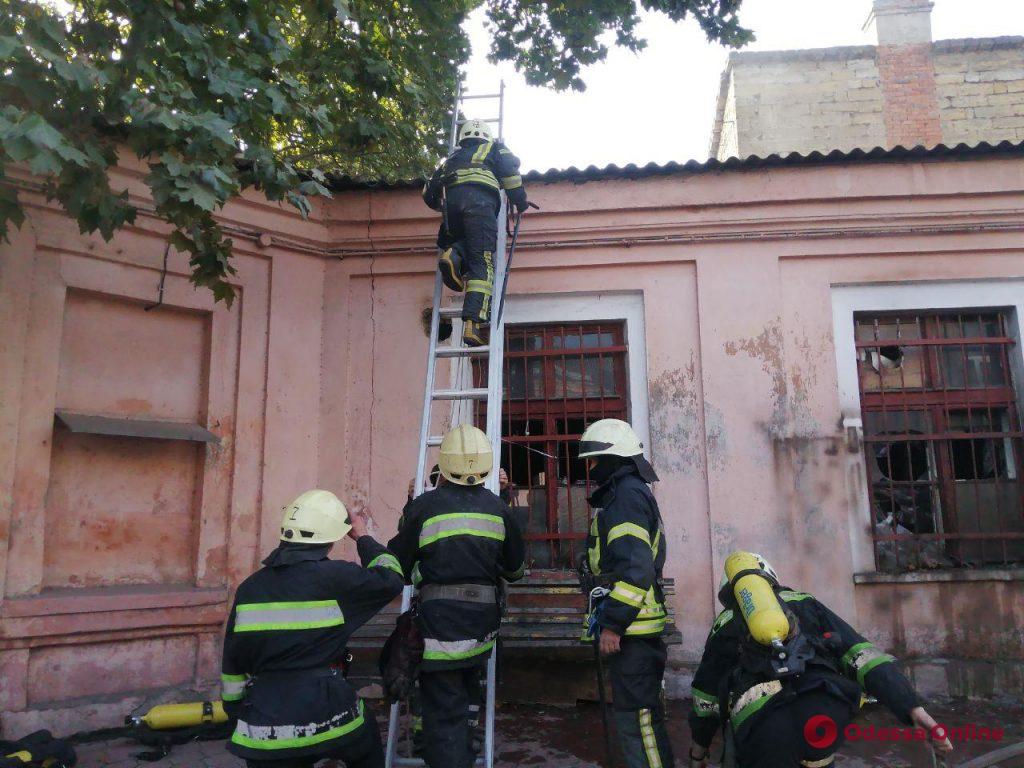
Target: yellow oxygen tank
<point>756,600</point>
<point>165,716</point>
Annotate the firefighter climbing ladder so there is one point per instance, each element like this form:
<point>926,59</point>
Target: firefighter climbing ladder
<point>461,395</point>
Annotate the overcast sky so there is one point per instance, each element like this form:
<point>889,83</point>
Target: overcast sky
<point>659,104</point>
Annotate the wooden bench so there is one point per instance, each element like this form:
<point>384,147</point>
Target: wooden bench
<point>545,612</point>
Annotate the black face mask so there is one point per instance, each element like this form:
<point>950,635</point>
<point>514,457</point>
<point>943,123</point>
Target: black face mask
<point>605,468</point>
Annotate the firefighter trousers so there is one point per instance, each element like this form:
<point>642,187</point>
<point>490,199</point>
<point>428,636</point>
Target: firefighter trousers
<point>779,739</point>
<point>446,697</point>
<point>469,236</point>
<point>366,752</point>
<point>636,674</point>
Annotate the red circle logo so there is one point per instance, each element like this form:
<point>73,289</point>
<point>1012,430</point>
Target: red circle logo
<point>820,731</point>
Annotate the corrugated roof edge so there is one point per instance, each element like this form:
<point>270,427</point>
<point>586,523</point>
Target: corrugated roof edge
<point>792,159</point>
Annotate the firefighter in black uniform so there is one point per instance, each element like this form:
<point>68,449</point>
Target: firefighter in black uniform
<point>787,674</point>
<point>465,188</point>
<point>457,542</point>
<point>626,554</point>
<point>286,638</point>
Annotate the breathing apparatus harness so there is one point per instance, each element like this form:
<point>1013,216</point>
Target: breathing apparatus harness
<point>774,650</point>
<point>774,654</point>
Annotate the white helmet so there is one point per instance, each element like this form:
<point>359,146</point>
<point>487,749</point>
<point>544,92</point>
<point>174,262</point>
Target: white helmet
<point>315,517</point>
<point>763,565</point>
<point>475,129</point>
<point>610,437</point>
<point>466,456</point>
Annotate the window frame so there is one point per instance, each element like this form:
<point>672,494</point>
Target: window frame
<point>848,299</point>
<point>934,394</point>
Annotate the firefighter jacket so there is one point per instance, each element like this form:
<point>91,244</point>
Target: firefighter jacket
<point>458,535</point>
<point>626,552</point>
<point>487,164</point>
<point>286,635</point>
<point>844,664</point>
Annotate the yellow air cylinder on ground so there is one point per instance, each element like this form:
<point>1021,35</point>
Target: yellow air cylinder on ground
<point>756,599</point>
<point>194,713</point>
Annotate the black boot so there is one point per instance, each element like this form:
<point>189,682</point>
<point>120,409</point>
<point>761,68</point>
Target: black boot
<point>450,264</point>
<point>475,334</point>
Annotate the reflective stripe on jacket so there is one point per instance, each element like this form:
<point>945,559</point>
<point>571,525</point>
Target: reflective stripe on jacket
<point>626,545</point>
<point>487,164</point>
<point>721,672</point>
<point>287,630</point>
<point>458,534</point>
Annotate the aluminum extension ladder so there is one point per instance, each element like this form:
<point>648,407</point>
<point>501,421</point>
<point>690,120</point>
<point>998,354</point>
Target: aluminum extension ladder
<point>461,396</point>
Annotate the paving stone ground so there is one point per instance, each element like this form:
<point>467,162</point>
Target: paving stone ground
<point>570,737</point>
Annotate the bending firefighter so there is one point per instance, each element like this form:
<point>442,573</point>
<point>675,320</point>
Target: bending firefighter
<point>458,542</point>
<point>626,554</point>
<point>466,189</point>
<point>286,642</point>
<point>786,674</point>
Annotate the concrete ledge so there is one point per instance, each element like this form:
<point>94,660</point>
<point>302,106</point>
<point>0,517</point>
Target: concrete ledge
<point>967,678</point>
<point>940,575</point>
<point>804,54</point>
<point>65,601</point>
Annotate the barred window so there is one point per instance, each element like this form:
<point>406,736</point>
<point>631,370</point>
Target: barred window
<point>559,378</point>
<point>942,436</point>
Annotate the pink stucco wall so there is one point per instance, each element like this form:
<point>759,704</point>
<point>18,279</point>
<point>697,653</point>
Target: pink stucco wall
<point>117,554</point>
<point>315,377</point>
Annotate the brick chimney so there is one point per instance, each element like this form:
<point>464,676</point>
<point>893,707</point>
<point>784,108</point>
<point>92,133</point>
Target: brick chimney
<point>904,30</point>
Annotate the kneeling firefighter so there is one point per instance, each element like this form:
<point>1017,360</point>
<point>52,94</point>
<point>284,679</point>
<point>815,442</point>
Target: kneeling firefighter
<point>458,542</point>
<point>786,674</point>
<point>626,554</point>
<point>466,189</point>
<point>286,642</point>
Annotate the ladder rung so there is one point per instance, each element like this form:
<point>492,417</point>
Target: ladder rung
<point>468,96</point>
<point>415,762</point>
<point>461,394</point>
<point>451,312</point>
<point>434,441</point>
<point>460,351</point>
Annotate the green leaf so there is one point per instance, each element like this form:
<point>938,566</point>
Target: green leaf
<point>8,45</point>
<point>10,210</point>
<point>44,163</point>
<point>199,195</point>
<point>314,188</point>
<point>301,203</point>
<point>330,86</point>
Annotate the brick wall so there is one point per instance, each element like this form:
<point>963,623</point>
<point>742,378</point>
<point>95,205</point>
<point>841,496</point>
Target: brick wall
<point>728,133</point>
<point>980,88</point>
<point>907,81</point>
<point>833,98</point>
<point>827,100</point>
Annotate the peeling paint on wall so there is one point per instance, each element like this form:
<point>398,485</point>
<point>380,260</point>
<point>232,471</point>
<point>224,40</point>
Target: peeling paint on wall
<point>715,437</point>
<point>723,538</point>
<point>767,347</point>
<point>675,421</point>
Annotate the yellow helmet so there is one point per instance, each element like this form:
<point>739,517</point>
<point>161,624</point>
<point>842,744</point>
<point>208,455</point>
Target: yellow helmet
<point>466,456</point>
<point>475,129</point>
<point>315,517</point>
<point>610,437</point>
